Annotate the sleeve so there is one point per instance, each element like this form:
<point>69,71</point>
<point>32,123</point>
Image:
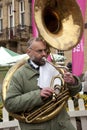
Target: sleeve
<point>74,89</point>
<point>18,101</point>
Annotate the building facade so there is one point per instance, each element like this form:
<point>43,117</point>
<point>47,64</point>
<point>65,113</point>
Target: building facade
<point>15,24</point>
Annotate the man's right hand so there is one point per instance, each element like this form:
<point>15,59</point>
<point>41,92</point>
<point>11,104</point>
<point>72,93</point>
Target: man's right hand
<point>46,92</point>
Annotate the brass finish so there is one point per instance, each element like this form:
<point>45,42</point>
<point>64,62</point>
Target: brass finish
<point>9,75</point>
<point>50,109</point>
<point>59,22</point>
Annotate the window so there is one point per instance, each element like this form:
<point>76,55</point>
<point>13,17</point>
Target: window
<point>60,52</point>
<point>1,21</point>
<point>22,13</point>
<point>10,14</point>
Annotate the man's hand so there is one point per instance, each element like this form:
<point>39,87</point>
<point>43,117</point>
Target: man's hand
<point>68,78</point>
<point>46,92</point>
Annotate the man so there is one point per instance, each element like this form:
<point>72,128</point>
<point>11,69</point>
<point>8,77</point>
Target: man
<point>69,65</point>
<point>26,90</point>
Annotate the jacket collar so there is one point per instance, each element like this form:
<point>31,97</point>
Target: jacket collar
<point>32,72</point>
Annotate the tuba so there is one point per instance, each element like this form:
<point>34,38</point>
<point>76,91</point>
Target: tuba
<point>60,24</point>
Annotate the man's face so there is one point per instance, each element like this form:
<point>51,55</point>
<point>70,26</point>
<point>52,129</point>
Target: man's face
<point>37,52</point>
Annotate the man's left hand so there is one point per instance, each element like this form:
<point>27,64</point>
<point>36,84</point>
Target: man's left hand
<point>68,78</point>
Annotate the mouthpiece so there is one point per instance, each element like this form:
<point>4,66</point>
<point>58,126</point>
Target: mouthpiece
<point>44,58</point>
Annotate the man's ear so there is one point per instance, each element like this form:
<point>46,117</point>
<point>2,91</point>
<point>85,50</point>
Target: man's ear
<point>27,50</point>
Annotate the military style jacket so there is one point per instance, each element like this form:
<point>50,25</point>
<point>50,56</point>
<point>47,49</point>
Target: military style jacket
<point>24,93</point>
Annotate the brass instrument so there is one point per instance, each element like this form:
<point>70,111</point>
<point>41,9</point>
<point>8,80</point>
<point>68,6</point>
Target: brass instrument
<point>60,24</point>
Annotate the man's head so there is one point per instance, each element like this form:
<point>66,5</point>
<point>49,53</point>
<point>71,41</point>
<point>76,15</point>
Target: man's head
<point>69,65</point>
<point>37,50</point>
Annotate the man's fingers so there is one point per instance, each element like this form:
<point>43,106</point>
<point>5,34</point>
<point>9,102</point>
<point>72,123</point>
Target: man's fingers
<point>46,92</point>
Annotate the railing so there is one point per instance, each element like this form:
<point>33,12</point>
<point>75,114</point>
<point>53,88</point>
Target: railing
<point>8,124</point>
<point>81,113</point>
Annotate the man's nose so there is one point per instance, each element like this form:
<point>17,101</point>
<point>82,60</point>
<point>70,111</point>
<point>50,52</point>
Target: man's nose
<point>44,53</point>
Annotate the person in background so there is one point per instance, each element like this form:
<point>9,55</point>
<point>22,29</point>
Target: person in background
<point>26,89</point>
<point>69,66</point>
<point>85,83</point>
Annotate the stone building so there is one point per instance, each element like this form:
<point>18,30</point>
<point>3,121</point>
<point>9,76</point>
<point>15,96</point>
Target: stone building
<point>15,24</point>
<point>16,27</point>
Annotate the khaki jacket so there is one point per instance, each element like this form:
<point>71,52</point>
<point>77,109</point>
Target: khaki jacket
<point>24,94</point>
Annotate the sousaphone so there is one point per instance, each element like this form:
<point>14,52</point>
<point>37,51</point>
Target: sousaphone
<point>60,24</point>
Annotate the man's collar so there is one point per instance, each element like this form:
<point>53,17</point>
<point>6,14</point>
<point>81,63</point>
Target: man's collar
<point>33,64</point>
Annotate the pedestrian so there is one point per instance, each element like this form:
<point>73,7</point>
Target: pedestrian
<point>69,66</point>
<point>29,88</point>
<point>85,83</point>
